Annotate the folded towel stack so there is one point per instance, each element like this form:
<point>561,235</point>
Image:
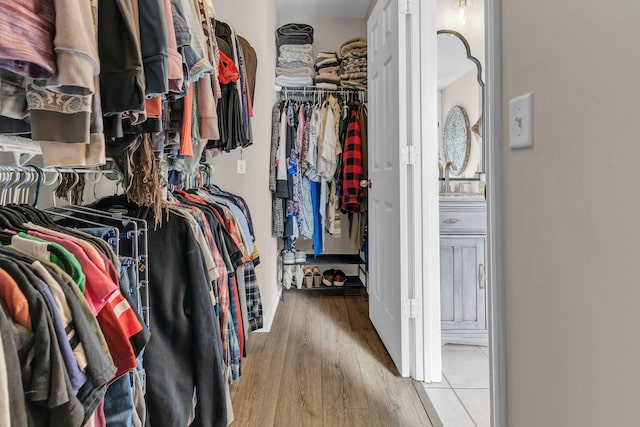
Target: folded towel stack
<point>295,60</point>
<point>353,66</point>
<point>294,34</point>
<point>327,66</point>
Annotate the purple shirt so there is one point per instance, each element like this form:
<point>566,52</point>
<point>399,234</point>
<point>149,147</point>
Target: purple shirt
<point>76,376</point>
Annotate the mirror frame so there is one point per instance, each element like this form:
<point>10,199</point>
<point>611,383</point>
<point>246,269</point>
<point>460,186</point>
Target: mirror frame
<point>480,82</point>
<point>460,112</point>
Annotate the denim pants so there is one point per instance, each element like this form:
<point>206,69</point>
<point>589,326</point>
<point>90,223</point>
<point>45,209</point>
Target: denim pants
<point>118,403</point>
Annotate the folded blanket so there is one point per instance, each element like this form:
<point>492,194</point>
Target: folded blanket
<point>293,64</point>
<point>351,44</point>
<point>328,73</point>
<point>327,79</point>
<point>285,81</point>
<point>295,72</point>
<point>329,86</point>
<point>333,69</point>
<point>301,48</point>
<point>328,62</point>
<point>360,52</point>
<point>352,62</point>
<point>294,34</point>
<point>354,76</point>
<point>352,68</point>
<point>295,56</point>
<point>326,55</point>
<point>354,85</point>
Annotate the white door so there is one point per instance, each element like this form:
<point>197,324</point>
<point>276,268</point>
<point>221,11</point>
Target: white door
<point>388,269</point>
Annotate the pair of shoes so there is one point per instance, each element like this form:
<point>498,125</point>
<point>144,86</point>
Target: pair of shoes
<point>287,277</point>
<point>288,257</point>
<point>298,276</point>
<point>300,257</point>
<point>308,277</point>
<point>293,257</point>
<point>333,277</point>
<point>312,277</point>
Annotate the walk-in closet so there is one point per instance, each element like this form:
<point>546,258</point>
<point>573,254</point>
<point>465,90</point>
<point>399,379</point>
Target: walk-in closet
<point>205,215</point>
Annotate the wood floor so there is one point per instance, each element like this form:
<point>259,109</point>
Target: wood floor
<point>323,365</point>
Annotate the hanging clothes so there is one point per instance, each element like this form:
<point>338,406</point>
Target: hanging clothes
<point>80,81</point>
<point>317,162</point>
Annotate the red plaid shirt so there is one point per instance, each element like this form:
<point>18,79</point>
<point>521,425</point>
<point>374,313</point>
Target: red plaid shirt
<point>352,170</point>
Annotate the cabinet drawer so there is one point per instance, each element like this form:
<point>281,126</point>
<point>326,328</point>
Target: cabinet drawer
<point>471,220</point>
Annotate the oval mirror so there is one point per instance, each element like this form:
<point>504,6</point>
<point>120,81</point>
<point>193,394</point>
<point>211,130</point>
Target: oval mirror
<point>457,139</point>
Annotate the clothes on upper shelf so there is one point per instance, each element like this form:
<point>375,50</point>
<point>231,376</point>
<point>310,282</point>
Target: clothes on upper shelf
<point>295,60</point>
<point>318,158</point>
<point>327,66</point>
<point>85,78</point>
<point>294,34</point>
<point>353,67</point>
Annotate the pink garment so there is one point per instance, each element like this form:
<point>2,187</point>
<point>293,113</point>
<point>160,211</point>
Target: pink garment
<point>176,74</point>
<point>99,418</point>
<point>93,253</point>
<point>26,45</point>
<point>99,287</point>
<point>207,110</point>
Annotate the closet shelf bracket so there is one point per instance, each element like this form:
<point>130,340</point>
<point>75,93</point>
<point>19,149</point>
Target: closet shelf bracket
<point>23,149</point>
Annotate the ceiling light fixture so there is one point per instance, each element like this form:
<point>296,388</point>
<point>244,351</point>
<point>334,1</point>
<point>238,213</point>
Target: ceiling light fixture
<point>462,10</point>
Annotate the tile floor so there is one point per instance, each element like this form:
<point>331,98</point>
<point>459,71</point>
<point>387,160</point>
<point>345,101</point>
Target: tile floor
<point>462,398</point>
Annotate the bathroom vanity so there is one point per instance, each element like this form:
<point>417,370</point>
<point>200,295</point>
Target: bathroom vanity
<point>463,277</point>
<point>463,208</point>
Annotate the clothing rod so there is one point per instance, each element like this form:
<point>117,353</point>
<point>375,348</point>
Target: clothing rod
<point>318,90</point>
<point>462,179</point>
<point>54,170</point>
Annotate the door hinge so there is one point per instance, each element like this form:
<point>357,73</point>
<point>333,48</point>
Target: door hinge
<point>411,308</point>
<point>408,7</point>
<point>410,155</point>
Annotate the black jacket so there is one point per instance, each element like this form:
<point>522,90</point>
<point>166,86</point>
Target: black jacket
<point>122,85</point>
<point>185,350</point>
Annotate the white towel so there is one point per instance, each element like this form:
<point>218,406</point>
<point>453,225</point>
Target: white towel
<point>287,58</point>
<point>301,48</point>
<point>285,81</point>
<point>295,72</point>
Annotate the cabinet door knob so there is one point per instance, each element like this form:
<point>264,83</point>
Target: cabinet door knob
<point>366,183</point>
<point>452,221</point>
<point>482,277</point>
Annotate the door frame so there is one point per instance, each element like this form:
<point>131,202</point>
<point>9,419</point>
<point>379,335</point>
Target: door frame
<point>493,110</point>
<point>429,271</point>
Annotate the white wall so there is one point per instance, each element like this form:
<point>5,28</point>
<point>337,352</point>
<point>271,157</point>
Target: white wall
<point>257,22</point>
<point>467,93</point>
<point>570,213</point>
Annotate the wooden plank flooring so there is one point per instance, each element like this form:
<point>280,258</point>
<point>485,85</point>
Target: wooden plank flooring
<point>323,365</point>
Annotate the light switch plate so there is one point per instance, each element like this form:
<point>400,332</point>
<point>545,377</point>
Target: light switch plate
<point>242,167</point>
<point>521,121</point>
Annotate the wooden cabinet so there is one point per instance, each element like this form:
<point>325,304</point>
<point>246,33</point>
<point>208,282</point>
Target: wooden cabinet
<point>463,271</point>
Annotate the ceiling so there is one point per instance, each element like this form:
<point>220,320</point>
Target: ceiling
<point>323,9</point>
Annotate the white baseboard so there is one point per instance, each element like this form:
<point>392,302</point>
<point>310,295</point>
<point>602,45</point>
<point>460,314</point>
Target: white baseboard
<point>270,314</point>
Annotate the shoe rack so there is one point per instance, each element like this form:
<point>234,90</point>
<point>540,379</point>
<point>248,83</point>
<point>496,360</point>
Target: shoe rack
<point>331,261</point>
